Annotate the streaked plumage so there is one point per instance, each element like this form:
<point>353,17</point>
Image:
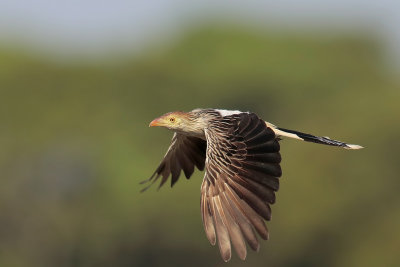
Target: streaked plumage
<point>240,154</point>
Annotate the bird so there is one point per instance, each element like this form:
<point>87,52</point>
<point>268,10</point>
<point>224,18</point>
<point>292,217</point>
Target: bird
<point>240,153</point>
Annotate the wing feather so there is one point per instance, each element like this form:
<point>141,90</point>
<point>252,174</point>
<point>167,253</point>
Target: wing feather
<point>242,171</point>
<point>251,215</point>
<point>207,216</point>
<point>242,221</point>
<point>232,226</point>
<point>185,163</point>
<point>184,153</point>
<point>222,232</point>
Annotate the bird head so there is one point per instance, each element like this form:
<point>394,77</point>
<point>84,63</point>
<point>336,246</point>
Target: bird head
<point>183,122</point>
<point>172,120</point>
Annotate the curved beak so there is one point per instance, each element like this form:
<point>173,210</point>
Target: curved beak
<point>155,122</point>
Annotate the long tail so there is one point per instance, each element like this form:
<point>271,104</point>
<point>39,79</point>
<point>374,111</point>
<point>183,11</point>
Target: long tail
<point>281,132</point>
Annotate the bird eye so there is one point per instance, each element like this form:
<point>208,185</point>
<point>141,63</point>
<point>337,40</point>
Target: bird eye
<point>172,119</point>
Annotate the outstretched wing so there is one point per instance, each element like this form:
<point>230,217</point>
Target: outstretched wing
<point>242,170</point>
<point>184,153</point>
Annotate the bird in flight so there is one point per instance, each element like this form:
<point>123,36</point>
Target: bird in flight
<point>240,154</point>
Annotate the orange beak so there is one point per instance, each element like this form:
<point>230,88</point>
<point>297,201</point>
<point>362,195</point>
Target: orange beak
<point>155,122</point>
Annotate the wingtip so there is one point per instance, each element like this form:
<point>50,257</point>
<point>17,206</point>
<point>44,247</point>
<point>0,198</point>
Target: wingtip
<point>145,189</point>
<point>226,253</point>
<point>213,241</point>
<point>227,257</point>
<point>243,255</point>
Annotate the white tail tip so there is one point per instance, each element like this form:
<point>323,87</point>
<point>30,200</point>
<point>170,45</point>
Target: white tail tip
<point>350,146</point>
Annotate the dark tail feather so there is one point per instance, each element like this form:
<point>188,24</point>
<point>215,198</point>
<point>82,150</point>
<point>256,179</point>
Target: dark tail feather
<point>315,139</point>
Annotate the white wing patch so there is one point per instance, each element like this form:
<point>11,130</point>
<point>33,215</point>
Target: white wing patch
<point>225,112</point>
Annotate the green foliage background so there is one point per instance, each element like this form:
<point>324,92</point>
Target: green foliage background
<point>75,143</point>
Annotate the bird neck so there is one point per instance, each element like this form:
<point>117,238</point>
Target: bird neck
<point>199,133</point>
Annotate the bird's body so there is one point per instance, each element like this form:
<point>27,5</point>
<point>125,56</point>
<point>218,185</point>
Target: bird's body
<point>240,154</point>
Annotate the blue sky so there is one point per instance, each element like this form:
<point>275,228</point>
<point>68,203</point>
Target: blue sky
<point>97,26</point>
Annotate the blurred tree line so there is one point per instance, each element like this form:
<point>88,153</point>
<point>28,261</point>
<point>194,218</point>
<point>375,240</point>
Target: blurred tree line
<point>75,143</point>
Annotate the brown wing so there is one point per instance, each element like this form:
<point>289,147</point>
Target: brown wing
<point>184,153</point>
<point>242,170</point>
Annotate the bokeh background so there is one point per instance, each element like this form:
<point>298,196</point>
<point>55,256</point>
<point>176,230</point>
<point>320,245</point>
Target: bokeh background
<point>81,80</point>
